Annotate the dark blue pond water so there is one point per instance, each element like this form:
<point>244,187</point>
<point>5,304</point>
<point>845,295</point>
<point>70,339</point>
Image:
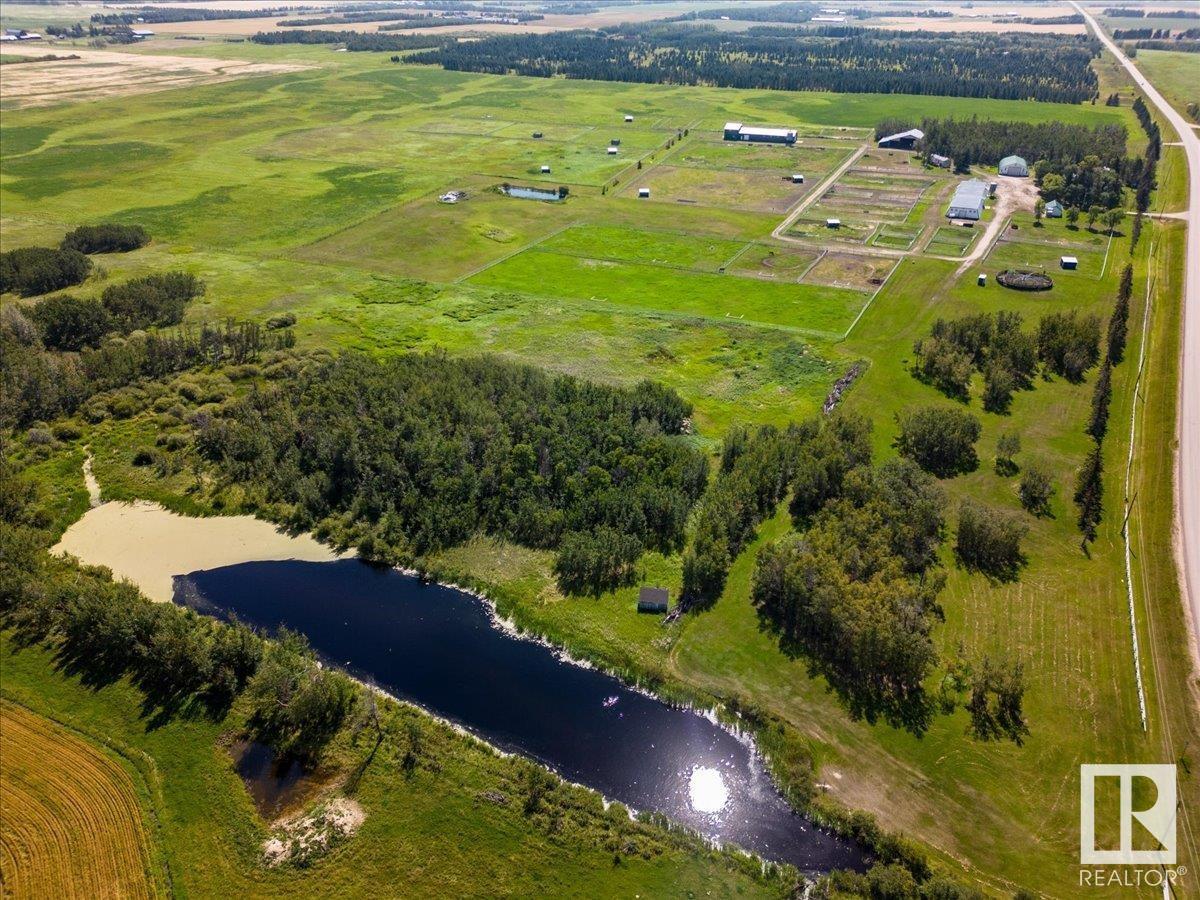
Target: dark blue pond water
<point>437,647</point>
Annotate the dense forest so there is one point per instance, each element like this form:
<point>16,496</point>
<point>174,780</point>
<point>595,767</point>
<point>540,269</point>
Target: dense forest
<point>986,141</point>
<point>151,15</point>
<point>418,453</point>
<point>1054,68</point>
<point>354,40</point>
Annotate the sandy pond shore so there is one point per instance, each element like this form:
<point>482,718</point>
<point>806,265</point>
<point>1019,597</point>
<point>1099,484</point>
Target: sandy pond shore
<point>149,545</point>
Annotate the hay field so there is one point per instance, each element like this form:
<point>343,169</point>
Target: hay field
<point>103,73</point>
<point>71,825</point>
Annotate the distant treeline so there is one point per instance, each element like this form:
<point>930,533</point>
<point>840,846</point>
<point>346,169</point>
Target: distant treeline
<point>354,40</point>
<point>1156,34</point>
<point>796,13</point>
<point>1121,12</point>
<point>1075,19</point>
<point>1173,46</point>
<point>153,15</point>
<point>1048,67</point>
<point>417,453</point>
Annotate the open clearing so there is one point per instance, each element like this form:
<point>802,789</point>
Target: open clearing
<point>104,73</point>
<point>72,825</point>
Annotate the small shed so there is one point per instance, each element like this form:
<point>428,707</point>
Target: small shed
<point>936,159</point>
<point>1054,210</point>
<point>797,178</point>
<point>1068,262</point>
<point>629,118</point>
<point>833,223</point>
<point>612,151</point>
<point>643,192</point>
<point>982,279</point>
<point>1014,167</point>
<point>537,135</point>
<point>653,599</point>
<point>615,142</point>
<point>545,170</point>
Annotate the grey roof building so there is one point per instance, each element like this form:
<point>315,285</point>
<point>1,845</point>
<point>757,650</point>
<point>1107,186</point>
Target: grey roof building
<point>1014,167</point>
<point>653,599</point>
<point>968,200</point>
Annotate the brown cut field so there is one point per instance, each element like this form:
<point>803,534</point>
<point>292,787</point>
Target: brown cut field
<point>70,821</point>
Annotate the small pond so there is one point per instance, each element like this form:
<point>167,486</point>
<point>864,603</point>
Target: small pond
<point>528,193</point>
<point>438,647</point>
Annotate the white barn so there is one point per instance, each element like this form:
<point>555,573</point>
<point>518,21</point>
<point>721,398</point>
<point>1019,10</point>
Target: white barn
<point>968,200</point>
<point>1014,167</point>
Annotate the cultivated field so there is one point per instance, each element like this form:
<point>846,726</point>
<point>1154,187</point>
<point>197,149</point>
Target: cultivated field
<point>72,824</point>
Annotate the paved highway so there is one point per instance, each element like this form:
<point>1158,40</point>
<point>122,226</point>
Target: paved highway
<point>1187,480</point>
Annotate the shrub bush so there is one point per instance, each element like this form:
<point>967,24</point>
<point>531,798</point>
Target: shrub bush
<point>106,238</point>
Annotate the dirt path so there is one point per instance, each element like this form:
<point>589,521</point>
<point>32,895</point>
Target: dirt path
<point>815,194</point>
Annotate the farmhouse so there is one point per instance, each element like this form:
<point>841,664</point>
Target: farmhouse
<point>968,200</point>
<point>936,159</point>
<point>1014,167</point>
<point>736,131</point>
<point>653,599</point>
<point>1068,262</point>
<point>904,140</point>
<point>1054,210</point>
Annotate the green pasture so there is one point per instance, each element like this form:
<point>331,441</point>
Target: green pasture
<point>850,230</point>
<point>774,262</point>
<point>950,240</point>
<point>758,190</point>
<point>811,161</point>
<point>676,250</point>
<point>821,311</point>
<point>896,237</point>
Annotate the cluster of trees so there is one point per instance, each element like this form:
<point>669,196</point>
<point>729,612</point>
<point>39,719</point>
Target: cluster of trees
<point>106,630</point>
<point>986,141</point>
<point>1046,67</point>
<point>1089,480</point>
<point>1084,185</point>
<point>939,439</point>
<point>995,345</point>
<point>30,271</point>
<point>1124,12</point>
<point>989,539</point>
<point>39,383</point>
<point>420,452</point>
<point>69,323</point>
<point>855,590</point>
<point>108,237</point>
<point>354,40</point>
<point>1068,343</point>
<point>757,471</point>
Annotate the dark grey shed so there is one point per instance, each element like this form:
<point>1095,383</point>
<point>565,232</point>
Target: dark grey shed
<point>653,599</point>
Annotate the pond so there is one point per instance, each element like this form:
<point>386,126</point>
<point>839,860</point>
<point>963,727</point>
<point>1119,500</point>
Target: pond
<point>438,647</point>
<point>528,193</point>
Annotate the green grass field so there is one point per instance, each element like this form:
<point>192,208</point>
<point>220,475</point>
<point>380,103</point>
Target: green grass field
<point>316,193</point>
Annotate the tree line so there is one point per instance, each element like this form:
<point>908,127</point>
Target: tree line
<point>1089,480</point>
<point>417,453</point>
<point>1053,68</point>
<point>152,15</point>
<point>986,141</point>
<point>355,41</point>
<point>106,630</point>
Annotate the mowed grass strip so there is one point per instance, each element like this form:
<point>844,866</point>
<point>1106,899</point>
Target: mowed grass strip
<point>654,247</point>
<point>71,824</point>
<point>820,310</point>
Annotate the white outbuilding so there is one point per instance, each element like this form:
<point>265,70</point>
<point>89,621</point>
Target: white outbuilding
<point>1014,167</point>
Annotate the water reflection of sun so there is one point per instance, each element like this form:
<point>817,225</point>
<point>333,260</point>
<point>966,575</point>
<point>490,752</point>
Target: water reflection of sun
<point>706,790</point>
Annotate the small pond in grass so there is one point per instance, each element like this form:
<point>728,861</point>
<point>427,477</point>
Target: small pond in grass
<point>437,647</point>
<point>528,193</point>
<point>275,783</point>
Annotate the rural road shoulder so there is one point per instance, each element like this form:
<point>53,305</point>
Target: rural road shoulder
<point>1187,475</point>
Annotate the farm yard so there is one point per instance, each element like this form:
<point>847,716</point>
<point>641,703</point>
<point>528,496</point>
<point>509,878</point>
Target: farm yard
<point>314,187</point>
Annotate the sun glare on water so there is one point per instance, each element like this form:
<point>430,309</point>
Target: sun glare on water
<point>707,790</point>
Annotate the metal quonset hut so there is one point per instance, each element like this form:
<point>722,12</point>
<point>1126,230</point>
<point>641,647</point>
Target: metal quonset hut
<point>1014,167</point>
<point>968,200</point>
